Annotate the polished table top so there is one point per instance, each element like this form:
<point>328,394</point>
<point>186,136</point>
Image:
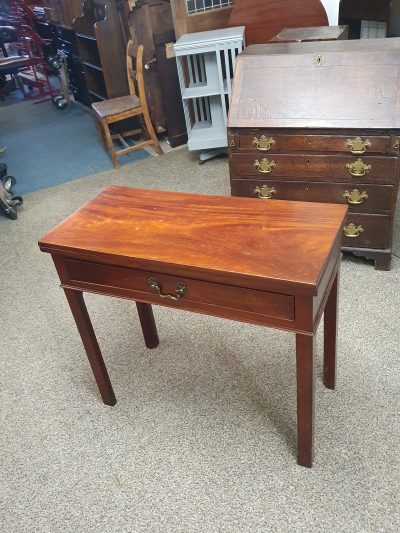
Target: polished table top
<point>238,240</point>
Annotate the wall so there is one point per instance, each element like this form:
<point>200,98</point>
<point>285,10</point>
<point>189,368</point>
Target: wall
<point>332,10</point>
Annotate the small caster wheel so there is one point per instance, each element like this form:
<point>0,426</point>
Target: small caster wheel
<point>16,201</point>
<point>201,162</point>
<point>60,101</point>
<point>11,213</point>
<point>8,182</point>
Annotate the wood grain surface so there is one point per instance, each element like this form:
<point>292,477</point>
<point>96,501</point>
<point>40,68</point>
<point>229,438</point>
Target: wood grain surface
<point>227,239</point>
<point>344,90</point>
<point>319,33</point>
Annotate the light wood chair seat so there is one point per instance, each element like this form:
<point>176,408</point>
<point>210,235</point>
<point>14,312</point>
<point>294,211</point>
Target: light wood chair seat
<point>115,106</point>
<point>132,105</point>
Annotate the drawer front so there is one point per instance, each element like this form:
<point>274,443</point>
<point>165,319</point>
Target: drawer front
<point>264,142</point>
<point>366,231</point>
<point>340,168</point>
<point>196,295</point>
<point>358,196</point>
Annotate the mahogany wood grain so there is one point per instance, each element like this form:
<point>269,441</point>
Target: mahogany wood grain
<point>88,336</point>
<point>206,293</point>
<point>375,231</point>
<point>315,167</point>
<point>311,143</point>
<point>148,324</point>
<point>380,197</point>
<point>172,232</point>
<point>263,20</point>
<point>271,263</point>
<point>305,364</point>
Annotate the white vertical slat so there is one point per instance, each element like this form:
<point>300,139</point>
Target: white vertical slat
<point>221,83</point>
<point>228,69</point>
<point>181,76</point>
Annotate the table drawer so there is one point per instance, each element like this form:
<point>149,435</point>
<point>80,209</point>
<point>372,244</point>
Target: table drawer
<point>368,169</point>
<point>265,141</point>
<point>366,231</point>
<point>193,294</point>
<point>359,196</point>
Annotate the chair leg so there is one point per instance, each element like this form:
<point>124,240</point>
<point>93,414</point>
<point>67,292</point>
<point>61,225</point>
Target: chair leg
<point>101,134</point>
<point>109,142</point>
<point>151,132</point>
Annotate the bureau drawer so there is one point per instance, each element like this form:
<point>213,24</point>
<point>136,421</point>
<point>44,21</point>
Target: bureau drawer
<point>265,141</point>
<point>366,231</point>
<point>359,196</point>
<point>368,169</point>
<point>197,295</point>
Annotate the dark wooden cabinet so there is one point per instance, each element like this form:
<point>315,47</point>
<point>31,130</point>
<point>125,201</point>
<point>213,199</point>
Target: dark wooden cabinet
<point>352,12</point>
<point>102,49</point>
<point>322,126</point>
<point>151,24</point>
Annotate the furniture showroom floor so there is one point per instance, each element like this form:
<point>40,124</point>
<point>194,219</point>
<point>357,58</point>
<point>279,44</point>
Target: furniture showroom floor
<point>202,438</point>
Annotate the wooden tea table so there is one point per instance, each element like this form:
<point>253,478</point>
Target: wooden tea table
<point>273,263</point>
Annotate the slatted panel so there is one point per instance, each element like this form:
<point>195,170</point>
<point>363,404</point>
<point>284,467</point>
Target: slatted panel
<point>198,6</point>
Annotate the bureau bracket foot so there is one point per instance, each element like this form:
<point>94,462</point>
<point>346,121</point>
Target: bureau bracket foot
<point>382,258</point>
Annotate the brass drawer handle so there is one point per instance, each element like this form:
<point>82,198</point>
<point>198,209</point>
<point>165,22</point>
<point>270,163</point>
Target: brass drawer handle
<point>355,197</point>
<point>358,168</point>
<point>352,230</point>
<point>263,144</point>
<point>357,146</point>
<point>264,166</point>
<point>264,191</point>
<point>179,291</point>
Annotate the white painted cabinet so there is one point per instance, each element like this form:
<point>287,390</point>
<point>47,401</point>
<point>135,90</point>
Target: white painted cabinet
<point>206,62</point>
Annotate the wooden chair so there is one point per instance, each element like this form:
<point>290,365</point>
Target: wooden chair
<point>116,109</point>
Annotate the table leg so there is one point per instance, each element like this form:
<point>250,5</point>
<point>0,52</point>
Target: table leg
<point>148,324</point>
<point>330,336</point>
<point>84,324</point>
<point>305,362</point>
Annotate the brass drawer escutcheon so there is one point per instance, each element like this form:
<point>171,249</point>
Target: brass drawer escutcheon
<point>264,191</point>
<point>358,168</point>
<point>352,230</point>
<point>264,166</point>
<point>263,144</point>
<point>355,197</point>
<point>357,146</point>
<point>179,291</point>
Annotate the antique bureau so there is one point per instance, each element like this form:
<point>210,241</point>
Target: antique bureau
<point>321,122</point>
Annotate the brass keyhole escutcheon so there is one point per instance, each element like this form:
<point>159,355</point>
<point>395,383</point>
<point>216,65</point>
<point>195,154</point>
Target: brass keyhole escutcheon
<point>358,146</point>
<point>263,144</point>
<point>319,60</point>
<point>351,230</point>
<point>358,168</point>
<point>355,197</point>
<point>264,166</point>
<point>264,191</point>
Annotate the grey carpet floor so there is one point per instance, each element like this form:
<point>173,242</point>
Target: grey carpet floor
<point>202,438</point>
